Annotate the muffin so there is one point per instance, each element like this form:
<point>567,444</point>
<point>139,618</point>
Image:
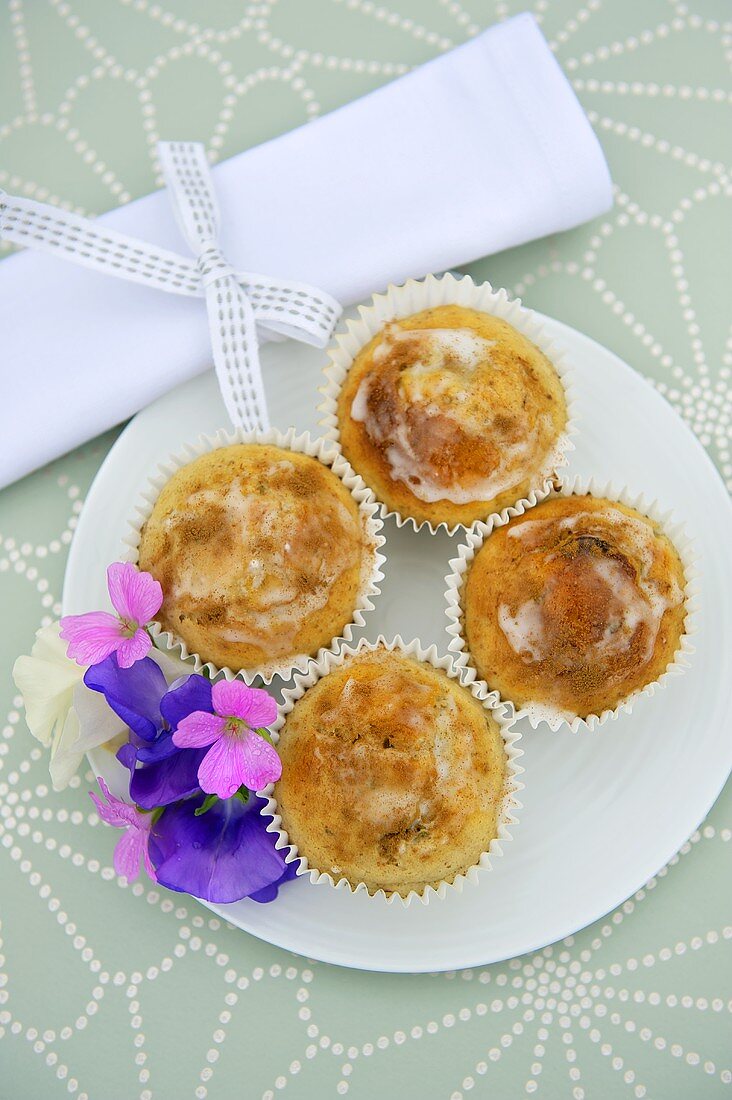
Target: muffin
<point>394,775</point>
<point>262,553</point>
<point>451,414</point>
<point>573,606</point>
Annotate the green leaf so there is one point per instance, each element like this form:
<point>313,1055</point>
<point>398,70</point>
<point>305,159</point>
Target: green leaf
<point>206,804</point>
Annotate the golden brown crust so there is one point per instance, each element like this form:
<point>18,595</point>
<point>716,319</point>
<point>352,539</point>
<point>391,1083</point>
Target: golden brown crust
<point>393,774</point>
<point>575,604</point>
<point>259,551</point>
<point>492,424</point>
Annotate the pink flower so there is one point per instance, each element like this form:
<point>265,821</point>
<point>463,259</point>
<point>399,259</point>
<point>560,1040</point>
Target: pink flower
<point>238,754</point>
<point>132,845</point>
<point>136,597</point>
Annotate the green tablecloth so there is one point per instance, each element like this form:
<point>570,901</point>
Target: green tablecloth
<point>115,992</point>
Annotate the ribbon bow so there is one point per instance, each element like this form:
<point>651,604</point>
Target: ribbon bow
<point>239,303</point>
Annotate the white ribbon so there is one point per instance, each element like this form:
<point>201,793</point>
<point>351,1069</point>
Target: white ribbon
<point>238,302</point>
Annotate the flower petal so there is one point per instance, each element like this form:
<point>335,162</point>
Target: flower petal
<point>128,852</point>
<point>133,693</point>
<point>193,694</point>
<point>198,729</point>
<point>151,873</point>
<point>269,893</point>
<point>65,758</point>
<point>46,681</point>
<point>232,698</point>
<point>152,752</point>
<point>92,637</point>
<point>98,723</point>
<point>49,646</point>
<point>135,596</point>
<point>262,709</point>
<point>222,768</point>
<point>222,856</point>
<point>134,649</point>
<point>115,811</point>
<point>167,780</point>
<point>261,764</point>
<point>127,755</point>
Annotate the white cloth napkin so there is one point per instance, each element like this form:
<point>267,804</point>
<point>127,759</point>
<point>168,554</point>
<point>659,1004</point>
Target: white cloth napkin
<point>483,148</point>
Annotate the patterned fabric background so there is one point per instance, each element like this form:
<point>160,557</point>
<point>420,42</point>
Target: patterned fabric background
<point>117,992</point>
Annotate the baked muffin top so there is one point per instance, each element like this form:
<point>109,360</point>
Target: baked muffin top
<point>451,412</point>
<point>393,774</point>
<point>260,553</point>
<point>575,604</point>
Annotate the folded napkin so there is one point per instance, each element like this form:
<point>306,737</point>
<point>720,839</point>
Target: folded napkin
<point>483,148</point>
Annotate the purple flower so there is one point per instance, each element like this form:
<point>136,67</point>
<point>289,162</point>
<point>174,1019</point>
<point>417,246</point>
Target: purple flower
<point>222,855</point>
<point>238,754</point>
<point>160,771</point>
<point>133,692</point>
<point>136,597</point>
<point>132,846</point>
<point>165,780</point>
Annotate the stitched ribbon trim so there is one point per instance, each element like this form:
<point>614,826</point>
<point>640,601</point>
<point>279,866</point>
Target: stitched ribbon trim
<point>240,304</point>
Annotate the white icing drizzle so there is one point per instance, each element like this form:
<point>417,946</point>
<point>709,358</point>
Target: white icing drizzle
<point>456,347</point>
<point>452,751</point>
<point>403,463</point>
<point>382,805</point>
<point>524,630</point>
<point>438,384</point>
<point>359,405</point>
<point>276,606</point>
<point>632,603</point>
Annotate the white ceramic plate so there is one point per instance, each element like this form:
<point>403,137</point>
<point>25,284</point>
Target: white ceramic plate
<point>603,812</point>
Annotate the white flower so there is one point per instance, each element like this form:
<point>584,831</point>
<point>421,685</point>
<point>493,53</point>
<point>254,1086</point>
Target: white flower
<point>61,711</point>
<point>90,722</point>
<point>46,680</point>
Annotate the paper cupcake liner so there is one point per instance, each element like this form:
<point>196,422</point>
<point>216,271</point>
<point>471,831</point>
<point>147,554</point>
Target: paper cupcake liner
<point>553,716</point>
<point>328,661</point>
<point>371,571</point>
<point>420,294</point>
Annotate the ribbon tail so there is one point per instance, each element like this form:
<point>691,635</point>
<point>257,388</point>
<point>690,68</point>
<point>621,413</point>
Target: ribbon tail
<point>233,331</point>
<point>48,229</point>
